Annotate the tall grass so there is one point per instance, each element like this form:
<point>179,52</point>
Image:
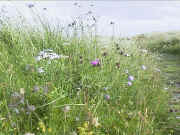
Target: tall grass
<point>166,48</point>
<point>122,95</point>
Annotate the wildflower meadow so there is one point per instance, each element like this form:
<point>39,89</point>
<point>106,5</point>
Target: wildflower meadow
<point>52,84</point>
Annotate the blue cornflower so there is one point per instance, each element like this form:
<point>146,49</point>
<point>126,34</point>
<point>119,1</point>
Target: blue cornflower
<point>130,78</point>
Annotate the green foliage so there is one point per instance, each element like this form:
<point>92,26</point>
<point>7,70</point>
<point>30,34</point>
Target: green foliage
<point>69,96</point>
<point>165,44</point>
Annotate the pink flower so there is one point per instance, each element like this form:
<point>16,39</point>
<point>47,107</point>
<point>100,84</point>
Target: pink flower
<point>129,83</point>
<point>130,78</point>
<point>95,62</point>
<point>107,97</point>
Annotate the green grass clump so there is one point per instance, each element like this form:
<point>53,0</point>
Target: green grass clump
<point>168,43</point>
<point>73,96</point>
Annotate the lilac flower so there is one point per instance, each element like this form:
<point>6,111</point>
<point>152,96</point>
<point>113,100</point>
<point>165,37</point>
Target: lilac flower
<point>95,62</point>
<point>106,88</point>
<point>22,100</point>
<point>107,97</point>
<point>129,83</point>
<point>16,110</point>
<point>143,67</point>
<point>130,78</point>
<point>31,108</point>
<point>36,88</point>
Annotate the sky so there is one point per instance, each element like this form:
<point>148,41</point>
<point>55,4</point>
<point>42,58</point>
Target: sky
<point>130,17</point>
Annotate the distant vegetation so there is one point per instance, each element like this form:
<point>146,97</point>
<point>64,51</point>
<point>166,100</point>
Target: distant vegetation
<point>166,47</point>
<point>162,42</point>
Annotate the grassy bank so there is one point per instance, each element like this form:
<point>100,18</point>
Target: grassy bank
<point>166,47</point>
<point>78,86</point>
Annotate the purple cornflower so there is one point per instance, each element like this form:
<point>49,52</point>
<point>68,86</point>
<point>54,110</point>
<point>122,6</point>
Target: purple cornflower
<point>130,78</point>
<point>16,110</point>
<point>95,62</point>
<point>107,97</point>
<point>36,88</point>
<point>31,108</point>
<point>129,83</point>
<point>143,67</point>
<point>106,88</point>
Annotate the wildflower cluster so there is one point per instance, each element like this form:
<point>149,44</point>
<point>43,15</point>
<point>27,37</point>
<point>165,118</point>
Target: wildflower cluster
<point>48,53</point>
<point>93,90</point>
